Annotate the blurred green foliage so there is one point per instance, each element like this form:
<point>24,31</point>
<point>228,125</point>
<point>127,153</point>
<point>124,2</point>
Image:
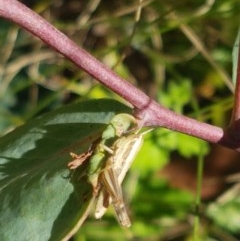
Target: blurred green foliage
<point>157,55</point>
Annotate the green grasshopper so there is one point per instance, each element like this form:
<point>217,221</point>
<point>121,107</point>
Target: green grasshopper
<point>110,160</point>
<point>119,125</point>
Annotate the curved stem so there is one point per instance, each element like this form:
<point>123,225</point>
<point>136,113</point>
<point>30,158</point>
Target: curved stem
<point>147,109</point>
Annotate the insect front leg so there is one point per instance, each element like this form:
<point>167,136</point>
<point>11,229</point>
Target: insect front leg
<point>78,159</point>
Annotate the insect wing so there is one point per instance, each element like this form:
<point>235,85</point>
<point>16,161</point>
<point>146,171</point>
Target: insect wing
<point>125,150</point>
<point>114,190</point>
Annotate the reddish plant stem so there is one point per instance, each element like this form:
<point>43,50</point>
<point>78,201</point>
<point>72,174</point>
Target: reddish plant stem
<point>236,106</point>
<point>31,21</point>
<point>234,128</point>
<point>152,113</point>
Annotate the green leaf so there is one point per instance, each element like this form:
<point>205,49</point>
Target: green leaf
<point>40,198</point>
<point>177,95</point>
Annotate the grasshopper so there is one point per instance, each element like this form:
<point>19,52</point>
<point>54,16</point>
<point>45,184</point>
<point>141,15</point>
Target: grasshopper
<point>123,153</point>
<point>119,125</point>
<point>97,153</point>
<point>109,161</point>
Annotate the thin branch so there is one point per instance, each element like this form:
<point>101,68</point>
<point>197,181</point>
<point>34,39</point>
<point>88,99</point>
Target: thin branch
<point>147,109</point>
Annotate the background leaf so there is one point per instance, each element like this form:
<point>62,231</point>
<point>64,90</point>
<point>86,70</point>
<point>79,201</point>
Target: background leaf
<point>225,212</point>
<point>40,198</point>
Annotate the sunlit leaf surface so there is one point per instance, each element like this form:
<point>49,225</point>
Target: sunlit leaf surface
<point>40,198</point>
